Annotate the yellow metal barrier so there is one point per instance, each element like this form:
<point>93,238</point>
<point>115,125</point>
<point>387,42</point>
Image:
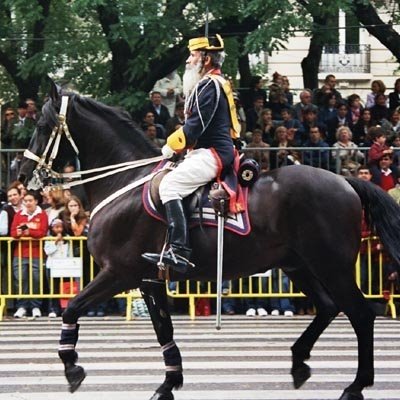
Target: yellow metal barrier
<point>256,286</point>
<point>369,274</point>
<point>45,284</point>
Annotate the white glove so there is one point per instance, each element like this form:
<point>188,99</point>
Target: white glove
<point>167,152</point>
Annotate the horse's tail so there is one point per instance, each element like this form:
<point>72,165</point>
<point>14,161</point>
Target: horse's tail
<point>384,213</point>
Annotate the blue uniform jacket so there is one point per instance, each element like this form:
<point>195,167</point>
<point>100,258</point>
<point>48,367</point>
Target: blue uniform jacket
<point>208,123</point>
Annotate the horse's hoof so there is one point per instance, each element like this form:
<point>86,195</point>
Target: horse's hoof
<point>162,396</point>
<point>351,396</point>
<point>75,375</point>
<point>300,375</point>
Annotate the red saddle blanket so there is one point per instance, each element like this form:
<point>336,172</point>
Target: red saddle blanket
<point>200,210</point>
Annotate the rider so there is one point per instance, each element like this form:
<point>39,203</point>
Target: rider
<point>210,125</point>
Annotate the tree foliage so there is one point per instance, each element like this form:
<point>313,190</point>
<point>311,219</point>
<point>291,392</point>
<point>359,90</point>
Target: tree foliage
<point>116,49</point>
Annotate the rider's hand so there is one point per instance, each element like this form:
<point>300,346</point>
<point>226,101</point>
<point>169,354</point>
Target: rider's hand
<point>167,152</point>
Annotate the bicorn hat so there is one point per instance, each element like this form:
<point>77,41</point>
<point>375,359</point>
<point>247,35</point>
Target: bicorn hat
<point>207,44</point>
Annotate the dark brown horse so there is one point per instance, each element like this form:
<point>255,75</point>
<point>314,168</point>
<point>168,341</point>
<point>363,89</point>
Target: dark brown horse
<point>304,219</point>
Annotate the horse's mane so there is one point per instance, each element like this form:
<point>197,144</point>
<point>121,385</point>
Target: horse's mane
<point>95,112</point>
<point>117,117</point>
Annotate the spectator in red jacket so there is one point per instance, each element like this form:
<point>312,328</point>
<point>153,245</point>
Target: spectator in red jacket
<point>388,176</point>
<point>378,149</point>
<point>369,265</point>
<point>30,222</point>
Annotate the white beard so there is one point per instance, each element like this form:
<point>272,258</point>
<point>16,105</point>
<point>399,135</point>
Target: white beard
<point>190,78</point>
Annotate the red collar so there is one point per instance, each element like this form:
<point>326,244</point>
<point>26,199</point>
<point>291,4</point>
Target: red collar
<point>214,71</point>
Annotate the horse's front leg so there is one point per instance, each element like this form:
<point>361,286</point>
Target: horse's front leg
<point>155,295</point>
<point>103,287</point>
<point>75,374</point>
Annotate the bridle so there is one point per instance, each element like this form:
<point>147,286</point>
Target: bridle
<point>44,169</point>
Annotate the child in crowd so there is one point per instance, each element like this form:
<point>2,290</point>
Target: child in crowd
<point>377,150</point>
<point>388,176</point>
<point>55,249</point>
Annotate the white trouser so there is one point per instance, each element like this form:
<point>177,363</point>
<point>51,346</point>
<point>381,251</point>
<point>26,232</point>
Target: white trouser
<point>198,168</point>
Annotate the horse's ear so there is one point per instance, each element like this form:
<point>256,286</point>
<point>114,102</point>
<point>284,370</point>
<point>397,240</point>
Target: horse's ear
<point>55,90</point>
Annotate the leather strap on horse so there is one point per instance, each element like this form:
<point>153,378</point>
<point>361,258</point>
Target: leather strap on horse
<point>55,136</point>
<point>163,274</point>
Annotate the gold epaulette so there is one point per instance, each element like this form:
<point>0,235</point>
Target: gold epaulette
<point>226,86</point>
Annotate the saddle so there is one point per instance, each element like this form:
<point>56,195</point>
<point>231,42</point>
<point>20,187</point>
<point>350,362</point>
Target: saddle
<point>201,206</point>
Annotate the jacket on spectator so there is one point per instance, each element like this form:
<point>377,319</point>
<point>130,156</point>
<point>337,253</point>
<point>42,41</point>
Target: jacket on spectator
<point>375,153</point>
<point>9,209</point>
<point>160,117</point>
<point>316,158</point>
<point>394,100</point>
<point>386,179</point>
<point>38,227</point>
<point>379,112</point>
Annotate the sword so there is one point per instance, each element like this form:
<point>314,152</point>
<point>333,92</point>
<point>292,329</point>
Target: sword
<point>220,260</point>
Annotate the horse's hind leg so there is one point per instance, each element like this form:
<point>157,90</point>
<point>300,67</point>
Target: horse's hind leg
<point>155,295</point>
<point>326,312</point>
<point>104,286</point>
<point>348,297</point>
<point>338,281</point>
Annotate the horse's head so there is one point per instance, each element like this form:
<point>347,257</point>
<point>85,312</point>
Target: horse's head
<point>45,152</point>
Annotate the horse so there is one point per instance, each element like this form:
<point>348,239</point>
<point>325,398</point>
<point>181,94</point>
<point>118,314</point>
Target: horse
<point>303,219</point>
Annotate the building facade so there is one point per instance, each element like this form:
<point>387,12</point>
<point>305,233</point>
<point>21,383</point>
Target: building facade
<point>356,59</point>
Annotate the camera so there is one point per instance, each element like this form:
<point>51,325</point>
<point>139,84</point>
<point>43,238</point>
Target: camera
<point>23,227</point>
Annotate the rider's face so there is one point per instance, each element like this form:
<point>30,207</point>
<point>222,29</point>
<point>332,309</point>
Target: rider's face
<point>194,58</point>
<point>192,73</point>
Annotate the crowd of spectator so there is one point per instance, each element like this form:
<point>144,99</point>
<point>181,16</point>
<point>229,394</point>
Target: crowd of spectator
<point>322,119</point>
<point>325,129</point>
<point>273,124</point>
<point>32,215</point>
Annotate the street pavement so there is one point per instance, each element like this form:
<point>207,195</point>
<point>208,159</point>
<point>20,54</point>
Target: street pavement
<point>249,359</point>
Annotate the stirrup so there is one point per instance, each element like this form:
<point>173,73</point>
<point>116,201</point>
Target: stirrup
<point>175,261</point>
<point>169,259</point>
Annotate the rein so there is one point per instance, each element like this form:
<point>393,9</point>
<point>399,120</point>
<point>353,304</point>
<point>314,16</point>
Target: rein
<point>124,167</point>
<point>44,169</point>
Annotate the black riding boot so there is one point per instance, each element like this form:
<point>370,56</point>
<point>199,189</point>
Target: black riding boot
<point>178,254</point>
